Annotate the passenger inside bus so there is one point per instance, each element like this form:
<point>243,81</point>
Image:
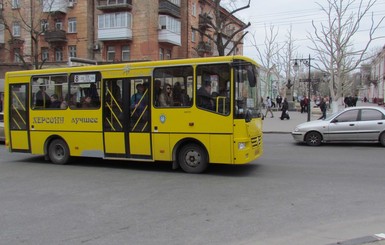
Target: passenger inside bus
<point>165,98</point>
<point>55,102</point>
<point>204,99</point>
<point>42,98</point>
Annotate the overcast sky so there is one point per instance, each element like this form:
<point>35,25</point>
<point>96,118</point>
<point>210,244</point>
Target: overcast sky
<point>298,13</point>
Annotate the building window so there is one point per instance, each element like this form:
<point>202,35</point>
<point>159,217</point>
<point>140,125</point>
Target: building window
<point>15,4</point>
<point>170,23</point>
<point>161,54</point>
<point>114,2</point>
<point>72,25</point>
<point>44,54</point>
<point>125,53</point>
<point>58,54</point>
<point>168,54</point>
<point>44,25</point>
<point>194,9</point>
<point>110,53</point>
<point>72,51</point>
<point>16,31</point>
<point>58,24</point>
<point>114,20</point>
<point>193,34</point>
<point>176,2</point>
<point>16,55</point>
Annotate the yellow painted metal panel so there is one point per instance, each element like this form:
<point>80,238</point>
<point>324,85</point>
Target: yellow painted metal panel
<point>114,142</point>
<point>19,140</point>
<point>80,144</point>
<point>161,147</point>
<point>140,143</point>
<point>221,149</point>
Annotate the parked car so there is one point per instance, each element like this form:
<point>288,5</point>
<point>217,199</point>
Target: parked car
<point>2,136</point>
<point>354,124</point>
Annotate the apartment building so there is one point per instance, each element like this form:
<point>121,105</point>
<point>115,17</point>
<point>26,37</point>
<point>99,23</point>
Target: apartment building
<point>47,33</point>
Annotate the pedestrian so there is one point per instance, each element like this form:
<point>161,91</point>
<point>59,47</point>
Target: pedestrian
<point>323,108</point>
<point>279,101</point>
<point>268,107</point>
<point>285,108</point>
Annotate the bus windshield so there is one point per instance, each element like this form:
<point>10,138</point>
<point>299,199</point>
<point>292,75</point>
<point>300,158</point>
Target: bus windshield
<point>247,97</point>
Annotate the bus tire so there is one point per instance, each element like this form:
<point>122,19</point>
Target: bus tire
<point>59,152</point>
<point>192,158</point>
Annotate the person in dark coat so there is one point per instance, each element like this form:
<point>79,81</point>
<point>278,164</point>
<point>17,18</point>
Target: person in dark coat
<point>285,108</point>
<point>204,99</point>
<point>323,108</point>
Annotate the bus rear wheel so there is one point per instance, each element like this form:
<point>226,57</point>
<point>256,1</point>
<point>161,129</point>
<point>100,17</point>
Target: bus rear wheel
<point>59,152</point>
<point>193,159</point>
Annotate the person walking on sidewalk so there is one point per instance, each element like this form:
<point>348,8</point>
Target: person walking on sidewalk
<point>268,107</point>
<point>323,107</point>
<point>285,108</point>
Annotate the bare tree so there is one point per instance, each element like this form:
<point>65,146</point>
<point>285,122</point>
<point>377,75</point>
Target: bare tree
<point>333,41</point>
<point>30,22</point>
<point>286,56</point>
<point>222,28</point>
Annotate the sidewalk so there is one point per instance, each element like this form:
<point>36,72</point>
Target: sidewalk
<point>276,125</point>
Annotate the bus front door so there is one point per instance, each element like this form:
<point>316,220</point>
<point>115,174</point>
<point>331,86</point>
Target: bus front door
<point>18,118</point>
<point>127,119</point>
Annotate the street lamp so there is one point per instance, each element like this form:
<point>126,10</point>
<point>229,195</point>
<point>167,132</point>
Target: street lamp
<point>306,62</point>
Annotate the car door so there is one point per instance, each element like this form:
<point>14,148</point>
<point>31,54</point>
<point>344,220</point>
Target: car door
<point>370,125</point>
<point>343,127</point>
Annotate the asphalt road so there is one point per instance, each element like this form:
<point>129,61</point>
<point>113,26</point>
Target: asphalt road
<point>294,194</point>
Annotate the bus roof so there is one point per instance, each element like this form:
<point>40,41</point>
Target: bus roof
<point>132,65</point>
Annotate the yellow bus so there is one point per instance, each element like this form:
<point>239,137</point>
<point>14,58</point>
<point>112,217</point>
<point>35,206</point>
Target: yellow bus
<point>189,112</point>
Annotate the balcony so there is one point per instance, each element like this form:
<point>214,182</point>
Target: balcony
<point>204,47</point>
<point>51,6</point>
<point>55,36</point>
<point>109,34</point>
<point>168,8</point>
<point>167,36</point>
<point>114,5</point>
<point>204,21</point>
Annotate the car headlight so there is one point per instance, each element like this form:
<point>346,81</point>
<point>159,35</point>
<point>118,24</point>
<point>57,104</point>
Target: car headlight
<point>296,129</point>
<point>241,145</point>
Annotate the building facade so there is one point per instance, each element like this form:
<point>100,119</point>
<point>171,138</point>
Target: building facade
<point>42,34</point>
<point>373,79</point>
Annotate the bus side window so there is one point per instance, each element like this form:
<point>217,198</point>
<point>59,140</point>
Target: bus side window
<point>84,91</point>
<point>48,91</point>
<point>179,81</point>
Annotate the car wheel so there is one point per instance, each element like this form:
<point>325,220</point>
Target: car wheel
<point>193,158</point>
<point>382,139</point>
<point>313,139</point>
<point>58,152</point>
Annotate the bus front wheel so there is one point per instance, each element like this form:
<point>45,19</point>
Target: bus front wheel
<point>58,152</point>
<point>193,158</point>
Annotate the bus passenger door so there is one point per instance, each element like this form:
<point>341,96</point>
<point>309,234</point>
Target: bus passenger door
<point>127,118</point>
<point>18,118</point>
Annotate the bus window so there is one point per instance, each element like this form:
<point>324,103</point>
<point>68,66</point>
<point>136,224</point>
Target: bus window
<point>84,91</point>
<point>213,88</point>
<point>173,86</point>
<point>48,92</point>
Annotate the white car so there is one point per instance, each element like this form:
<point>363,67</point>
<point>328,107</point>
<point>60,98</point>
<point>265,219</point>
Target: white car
<point>2,136</point>
<point>354,124</point>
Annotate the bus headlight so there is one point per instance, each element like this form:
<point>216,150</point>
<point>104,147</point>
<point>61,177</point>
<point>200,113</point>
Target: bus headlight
<point>241,145</point>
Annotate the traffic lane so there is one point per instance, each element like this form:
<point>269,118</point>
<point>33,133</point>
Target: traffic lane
<point>115,202</point>
<point>335,189</point>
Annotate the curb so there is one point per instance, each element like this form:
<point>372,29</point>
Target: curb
<point>378,239</point>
